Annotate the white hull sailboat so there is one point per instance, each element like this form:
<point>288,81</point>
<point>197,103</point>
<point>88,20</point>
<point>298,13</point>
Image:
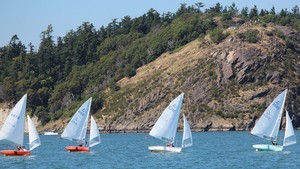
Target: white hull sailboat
<point>77,128</point>
<point>50,133</point>
<point>165,128</point>
<point>164,149</point>
<point>12,132</point>
<point>268,126</point>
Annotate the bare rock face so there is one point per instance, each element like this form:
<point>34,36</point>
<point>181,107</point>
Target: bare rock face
<point>274,77</point>
<point>150,98</point>
<point>245,62</point>
<point>289,32</point>
<point>258,94</point>
<point>237,64</point>
<point>124,122</point>
<point>4,111</point>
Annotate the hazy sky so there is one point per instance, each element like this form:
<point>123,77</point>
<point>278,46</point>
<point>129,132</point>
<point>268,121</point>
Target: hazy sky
<point>28,18</point>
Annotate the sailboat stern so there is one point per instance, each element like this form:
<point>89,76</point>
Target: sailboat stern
<point>15,153</point>
<point>164,149</point>
<point>267,147</point>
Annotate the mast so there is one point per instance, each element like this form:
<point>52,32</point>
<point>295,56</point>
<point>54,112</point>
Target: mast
<point>280,117</point>
<point>84,129</point>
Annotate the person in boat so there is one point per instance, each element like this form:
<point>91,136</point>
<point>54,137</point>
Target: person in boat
<point>86,143</point>
<point>23,148</point>
<point>18,148</point>
<point>274,143</point>
<point>170,144</point>
<point>80,144</point>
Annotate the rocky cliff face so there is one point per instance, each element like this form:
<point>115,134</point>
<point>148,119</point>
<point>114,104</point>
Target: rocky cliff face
<point>227,86</point>
<point>4,110</point>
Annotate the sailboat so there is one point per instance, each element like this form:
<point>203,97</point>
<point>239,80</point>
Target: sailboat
<point>165,128</point>
<point>77,128</point>
<point>268,126</point>
<point>12,131</point>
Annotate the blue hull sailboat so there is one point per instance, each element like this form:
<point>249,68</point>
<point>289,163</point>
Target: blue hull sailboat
<point>268,126</point>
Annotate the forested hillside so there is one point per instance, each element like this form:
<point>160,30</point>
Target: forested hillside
<point>90,62</point>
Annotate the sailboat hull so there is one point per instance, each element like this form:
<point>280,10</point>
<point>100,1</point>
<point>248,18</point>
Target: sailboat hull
<point>15,153</point>
<point>164,149</point>
<point>77,149</point>
<point>267,147</point>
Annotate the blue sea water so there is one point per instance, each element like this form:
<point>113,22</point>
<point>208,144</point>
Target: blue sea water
<point>129,150</point>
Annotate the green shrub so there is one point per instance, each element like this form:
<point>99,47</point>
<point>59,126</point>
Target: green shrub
<point>279,34</point>
<point>269,33</point>
<point>217,35</point>
<point>250,36</point>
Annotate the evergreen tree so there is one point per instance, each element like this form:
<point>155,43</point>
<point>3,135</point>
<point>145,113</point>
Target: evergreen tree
<point>233,9</point>
<point>262,13</point>
<point>253,13</point>
<point>199,5</point>
<point>273,12</point>
<point>244,12</point>
<point>295,10</point>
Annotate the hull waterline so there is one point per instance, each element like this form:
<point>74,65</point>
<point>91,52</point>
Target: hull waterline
<point>267,147</point>
<point>77,149</point>
<point>164,149</point>
<point>15,153</point>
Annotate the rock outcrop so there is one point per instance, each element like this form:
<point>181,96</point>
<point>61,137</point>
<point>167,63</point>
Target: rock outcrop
<point>227,86</point>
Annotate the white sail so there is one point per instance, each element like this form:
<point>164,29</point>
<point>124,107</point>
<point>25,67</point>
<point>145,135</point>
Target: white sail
<point>94,133</point>
<point>187,139</point>
<point>166,126</point>
<point>76,128</point>
<point>289,136</point>
<point>34,139</point>
<point>12,130</point>
<point>267,126</point>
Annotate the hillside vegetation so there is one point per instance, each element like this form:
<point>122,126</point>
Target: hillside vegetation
<point>229,64</point>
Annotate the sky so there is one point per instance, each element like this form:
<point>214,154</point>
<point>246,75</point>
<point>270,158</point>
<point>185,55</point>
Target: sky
<point>28,18</point>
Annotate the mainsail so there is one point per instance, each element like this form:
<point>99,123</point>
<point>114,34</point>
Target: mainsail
<point>12,130</point>
<point>77,127</point>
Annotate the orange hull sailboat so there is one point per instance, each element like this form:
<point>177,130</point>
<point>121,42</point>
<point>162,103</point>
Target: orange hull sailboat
<point>15,153</point>
<point>12,131</point>
<point>78,149</point>
<point>77,128</point>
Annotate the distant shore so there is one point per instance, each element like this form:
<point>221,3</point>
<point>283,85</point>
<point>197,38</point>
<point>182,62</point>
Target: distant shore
<point>148,130</point>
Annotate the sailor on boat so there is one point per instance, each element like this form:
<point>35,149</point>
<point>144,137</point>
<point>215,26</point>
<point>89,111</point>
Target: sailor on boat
<point>170,144</point>
<point>21,148</point>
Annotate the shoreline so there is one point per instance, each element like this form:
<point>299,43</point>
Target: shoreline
<point>148,130</point>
